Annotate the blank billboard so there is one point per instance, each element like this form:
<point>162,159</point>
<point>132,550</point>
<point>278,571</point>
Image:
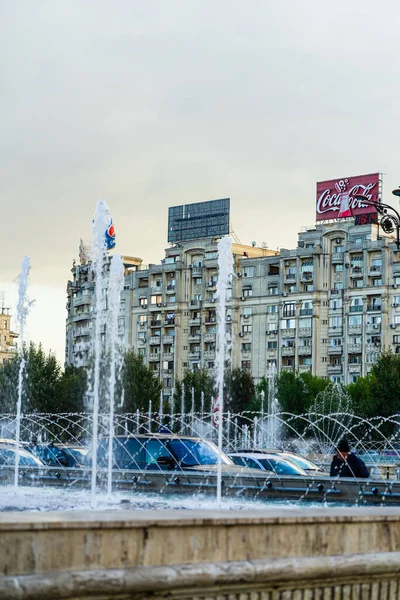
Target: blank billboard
<point>198,220</point>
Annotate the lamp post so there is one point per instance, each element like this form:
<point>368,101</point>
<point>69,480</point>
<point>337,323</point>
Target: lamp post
<point>390,221</point>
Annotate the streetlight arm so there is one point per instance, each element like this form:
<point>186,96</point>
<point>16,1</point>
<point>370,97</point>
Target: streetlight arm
<point>380,206</point>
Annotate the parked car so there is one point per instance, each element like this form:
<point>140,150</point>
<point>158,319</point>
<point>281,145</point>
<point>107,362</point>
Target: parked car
<point>163,451</point>
<point>26,459</point>
<point>55,455</point>
<point>267,462</point>
<point>304,463</point>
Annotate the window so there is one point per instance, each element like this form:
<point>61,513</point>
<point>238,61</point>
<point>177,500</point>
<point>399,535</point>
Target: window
<point>171,299</point>
<point>355,320</point>
<point>273,308</point>
<point>377,263</point>
<point>305,323</point>
<point>247,311</point>
<point>198,281</point>
<point>291,289</point>
<point>338,248</point>
<point>247,292</point>
<point>377,281</point>
<point>288,323</point>
<point>210,365</point>
<point>396,280</point>
<point>272,326</point>
<point>338,268</point>
<point>248,271</point>
<point>246,347</point>
<point>335,322</point>
<point>273,291</point>
<point>289,309</point>
<point>338,286</point>
<point>358,283</point>
<point>142,335</point>
<point>155,299</point>
<point>211,255</point>
<point>336,341</point>
<point>141,351</point>
<point>142,301</point>
<point>308,287</point>
<point>273,345</point>
<point>335,303</point>
<point>246,328</point>
<point>5,324</point>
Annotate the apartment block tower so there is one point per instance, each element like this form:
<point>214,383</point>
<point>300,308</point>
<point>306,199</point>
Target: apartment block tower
<point>328,306</point>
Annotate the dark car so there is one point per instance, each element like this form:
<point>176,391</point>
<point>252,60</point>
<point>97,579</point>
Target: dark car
<point>59,456</point>
<point>163,452</point>
<point>26,459</point>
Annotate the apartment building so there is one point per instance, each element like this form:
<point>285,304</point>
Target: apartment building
<point>328,306</point>
<point>8,347</point>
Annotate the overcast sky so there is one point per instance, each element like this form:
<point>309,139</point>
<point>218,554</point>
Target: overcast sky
<point>152,103</point>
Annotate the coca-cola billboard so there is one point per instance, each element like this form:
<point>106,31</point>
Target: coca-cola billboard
<point>336,197</point>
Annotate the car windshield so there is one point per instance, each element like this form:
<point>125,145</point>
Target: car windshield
<point>302,462</point>
<point>77,454</point>
<point>280,467</point>
<point>7,457</point>
<point>195,452</point>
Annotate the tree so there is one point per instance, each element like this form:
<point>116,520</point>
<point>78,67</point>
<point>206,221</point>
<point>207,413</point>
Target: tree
<point>140,385</point>
<point>239,390</point>
<point>199,381</point>
<point>291,392</point>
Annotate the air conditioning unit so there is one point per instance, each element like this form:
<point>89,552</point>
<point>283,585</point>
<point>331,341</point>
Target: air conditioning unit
<point>164,304</point>
<point>212,299</point>
<point>394,286</point>
<point>284,294</point>
<point>246,316</point>
<point>287,263</point>
<point>171,275</point>
<point>241,334</point>
<point>267,333</point>
<point>242,297</point>
<point>394,304</point>
<point>392,326</point>
<point>142,324</point>
<point>239,274</point>
<point>375,326</point>
<point>338,240</point>
<point>159,304</point>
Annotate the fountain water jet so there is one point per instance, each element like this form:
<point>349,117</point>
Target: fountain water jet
<point>23,307</point>
<point>225,274</point>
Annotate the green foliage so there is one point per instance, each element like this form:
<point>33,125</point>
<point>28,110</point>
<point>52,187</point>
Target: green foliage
<point>46,389</point>
<point>140,385</point>
<point>200,381</point>
<point>239,390</point>
<point>291,392</point>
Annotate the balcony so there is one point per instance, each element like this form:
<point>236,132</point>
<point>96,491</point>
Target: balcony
<point>169,323</point>
<point>156,290</point>
<point>156,323</point>
<point>197,271</point>
<point>209,320</point>
<point>375,271</point>
<point>304,350</point>
<point>337,258</point>
<point>373,328</point>
<point>154,358</point>
<point>194,338</point>
<point>335,330</point>
<point>195,303</point>
<point>171,289</point>
<point>305,312</point>
<point>246,354</point>
<point>287,350</point>
<point>287,368</point>
<point>334,292</point>
<point>194,321</point>
<point>374,308</point>
<point>354,368</point>
<point>209,337</point>
<point>354,329</point>
<point>305,332</point>
<point>82,300</point>
<point>168,339</point>
<point>82,316</point>
<point>356,273</point>
<point>168,356</point>
<point>290,277</point>
<point>304,368</point>
<point>335,350</point>
<point>81,332</point>
<point>334,369</point>
<point>166,372</point>
<point>373,347</point>
<point>271,353</point>
<point>155,340</point>
<point>211,284</point>
<point>307,276</point>
<point>194,355</point>
<point>288,333</point>
<point>209,355</point>
<point>354,349</point>
<point>356,308</point>
<point>142,340</point>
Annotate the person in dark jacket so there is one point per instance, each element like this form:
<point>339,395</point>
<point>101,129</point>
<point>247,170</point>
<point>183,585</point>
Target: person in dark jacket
<point>347,464</point>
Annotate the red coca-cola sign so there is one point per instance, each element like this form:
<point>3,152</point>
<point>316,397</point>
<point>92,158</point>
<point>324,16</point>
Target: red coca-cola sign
<point>336,197</point>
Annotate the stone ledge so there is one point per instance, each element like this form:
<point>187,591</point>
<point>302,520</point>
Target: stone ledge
<point>366,571</point>
<point>30,521</point>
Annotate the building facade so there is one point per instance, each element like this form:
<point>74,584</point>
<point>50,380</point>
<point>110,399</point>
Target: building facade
<point>8,347</point>
<point>328,306</point>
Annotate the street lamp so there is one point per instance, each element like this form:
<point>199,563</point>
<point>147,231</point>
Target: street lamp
<point>389,221</point>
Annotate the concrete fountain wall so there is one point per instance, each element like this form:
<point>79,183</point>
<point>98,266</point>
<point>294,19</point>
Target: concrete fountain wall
<point>285,554</point>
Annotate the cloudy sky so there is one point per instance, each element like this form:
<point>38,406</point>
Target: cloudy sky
<point>154,103</point>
